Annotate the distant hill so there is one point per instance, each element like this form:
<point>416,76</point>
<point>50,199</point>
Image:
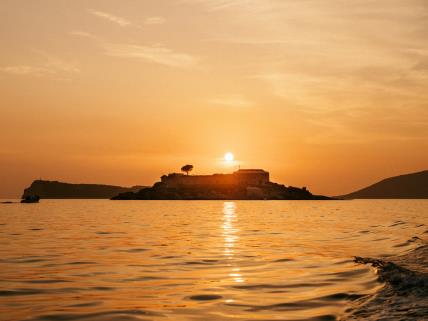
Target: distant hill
<point>410,186</point>
<point>54,189</point>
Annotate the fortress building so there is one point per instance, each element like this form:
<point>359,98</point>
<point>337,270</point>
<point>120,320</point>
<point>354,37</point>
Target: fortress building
<point>243,184</point>
<point>242,177</point>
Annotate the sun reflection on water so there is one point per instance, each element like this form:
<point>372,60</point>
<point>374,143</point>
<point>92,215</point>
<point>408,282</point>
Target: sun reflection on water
<point>230,239</point>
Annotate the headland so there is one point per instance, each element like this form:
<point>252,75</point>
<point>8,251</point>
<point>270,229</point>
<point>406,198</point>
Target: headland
<point>407,186</point>
<point>60,190</point>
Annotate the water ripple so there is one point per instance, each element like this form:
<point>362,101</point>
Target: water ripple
<point>92,260</point>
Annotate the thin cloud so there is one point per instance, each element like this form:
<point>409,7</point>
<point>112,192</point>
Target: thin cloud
<point>83,34</point>
<point>25,70</point>
<point>155,54</point>
<point>155,21</point>
<point>237,101</point>
<point>227,4</point>
<point>251,41</point>
<point>52,66</point>
<point>254,9</point>
<point>110,17</point>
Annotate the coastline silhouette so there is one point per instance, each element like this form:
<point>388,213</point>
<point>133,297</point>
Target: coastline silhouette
<point>243,184</point>
<point>407,186</point>
<point>61,190</point>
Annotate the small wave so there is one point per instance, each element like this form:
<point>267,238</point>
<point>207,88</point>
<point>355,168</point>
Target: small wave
<point>364,232</point>
<point>46,281</point>
<point>380,239</point>
<point>84,305</point>
<point>336,276</point>
<point>169,257</point>
<point>280,286</point>
<point>143,278</point>
<point>405,293</point>
<point>24,259</point>
<point>409,242</point>
<point>284,260</point>
<point>202,262</point>
<point>133,250</point>
<point>104,315</point>
<point>17,292</point>
<point>342,262</point>
<point>317,302</point>
<point>44,291</point>
<point>205,297</point>
<point>104,233</point>
<point>81,263</point>
<point>396,223</point>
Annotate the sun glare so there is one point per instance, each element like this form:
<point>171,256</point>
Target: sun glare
<point>228,157</point>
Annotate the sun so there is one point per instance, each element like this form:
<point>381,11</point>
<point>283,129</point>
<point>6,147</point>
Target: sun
<point>228,157</point>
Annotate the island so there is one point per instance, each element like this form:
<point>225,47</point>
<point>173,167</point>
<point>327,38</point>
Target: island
<point>243,184</point>
<point>407,186</point>
<point>60,190</point>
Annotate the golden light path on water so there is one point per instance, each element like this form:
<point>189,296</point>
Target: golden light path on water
<point>231,238</point>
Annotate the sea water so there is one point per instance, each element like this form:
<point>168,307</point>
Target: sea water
<point>205,260</point>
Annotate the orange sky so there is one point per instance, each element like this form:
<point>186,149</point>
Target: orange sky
<point>326,94</point>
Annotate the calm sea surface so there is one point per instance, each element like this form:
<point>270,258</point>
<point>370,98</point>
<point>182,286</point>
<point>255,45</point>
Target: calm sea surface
<point>197,260</point>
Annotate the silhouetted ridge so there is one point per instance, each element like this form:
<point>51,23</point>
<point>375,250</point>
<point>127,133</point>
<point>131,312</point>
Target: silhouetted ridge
<point>55,189</point>
<point>412,186</point>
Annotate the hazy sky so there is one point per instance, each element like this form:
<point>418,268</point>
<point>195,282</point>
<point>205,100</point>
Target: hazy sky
<point>332,95</point>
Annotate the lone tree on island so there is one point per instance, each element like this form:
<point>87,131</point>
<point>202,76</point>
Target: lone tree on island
<point>187,169</point>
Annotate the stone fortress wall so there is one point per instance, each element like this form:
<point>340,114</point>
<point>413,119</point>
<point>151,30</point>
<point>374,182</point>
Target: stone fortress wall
<point>246,177</point>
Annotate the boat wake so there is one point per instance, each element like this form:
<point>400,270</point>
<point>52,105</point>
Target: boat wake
<point>405,293</point>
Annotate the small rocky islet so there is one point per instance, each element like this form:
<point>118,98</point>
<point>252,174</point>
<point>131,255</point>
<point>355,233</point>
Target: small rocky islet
<point>243,184</point>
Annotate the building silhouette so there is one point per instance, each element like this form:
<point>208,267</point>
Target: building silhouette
<point>241,177</point>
